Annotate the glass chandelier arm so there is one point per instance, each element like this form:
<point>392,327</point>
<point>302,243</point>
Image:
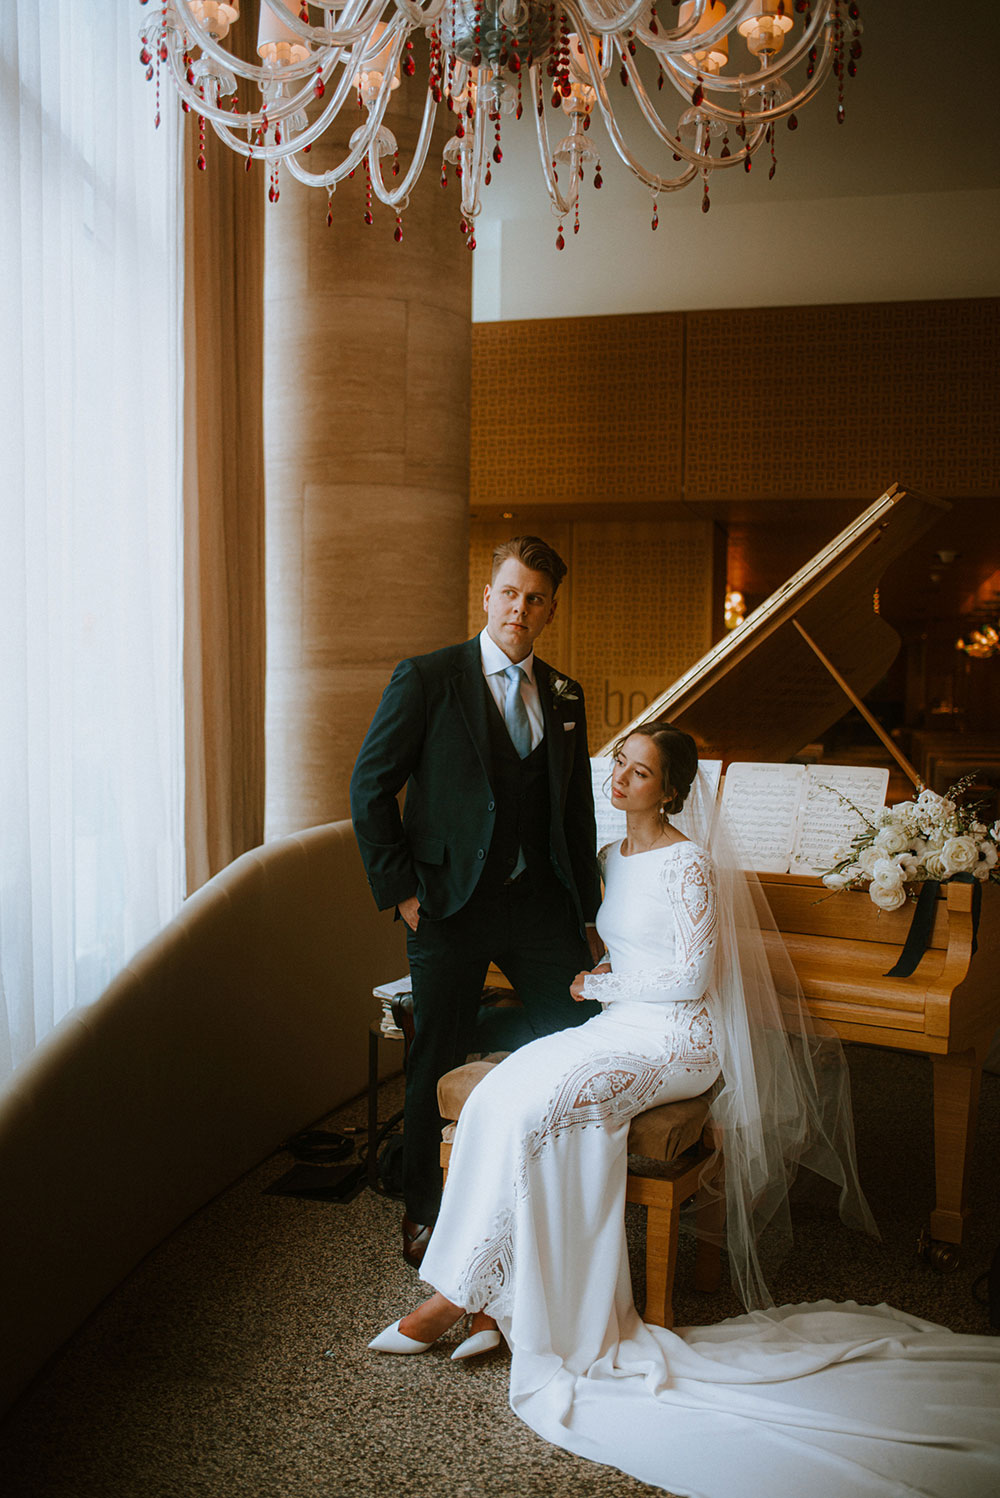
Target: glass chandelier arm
<point>695,159</point>
<point>596,17</point>
<point>421,17</point>
<point>397,197</point>
<point>225,123</point>
<point>560,202</point>
<point>685,75</point>
<point>677,39</point>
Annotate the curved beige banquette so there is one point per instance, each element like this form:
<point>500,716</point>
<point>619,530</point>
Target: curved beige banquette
<point>245,1019</point>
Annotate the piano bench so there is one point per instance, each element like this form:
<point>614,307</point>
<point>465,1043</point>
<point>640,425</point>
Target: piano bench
<point>670,1149</point>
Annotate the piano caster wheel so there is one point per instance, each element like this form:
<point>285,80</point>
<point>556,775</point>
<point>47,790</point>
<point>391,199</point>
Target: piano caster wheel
<point>939,1255</point>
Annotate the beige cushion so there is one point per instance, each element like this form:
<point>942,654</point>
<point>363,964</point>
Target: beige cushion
<point>455,1086</point>
<point>658,1134</point>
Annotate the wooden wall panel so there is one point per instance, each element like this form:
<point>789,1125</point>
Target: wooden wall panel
<point>576,410</point>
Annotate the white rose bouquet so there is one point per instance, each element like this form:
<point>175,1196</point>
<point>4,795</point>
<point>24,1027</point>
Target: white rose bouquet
<point>933,837</point>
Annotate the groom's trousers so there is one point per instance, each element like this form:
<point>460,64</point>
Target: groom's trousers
<point>530,930</point>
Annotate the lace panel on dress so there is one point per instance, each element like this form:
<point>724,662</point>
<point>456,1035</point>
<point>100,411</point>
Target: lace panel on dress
<point>488,1280</point>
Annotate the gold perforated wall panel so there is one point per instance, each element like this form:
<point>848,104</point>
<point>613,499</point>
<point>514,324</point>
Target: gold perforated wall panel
<point>577,410</point>
<point>777,402</point>
<point>830,402</point>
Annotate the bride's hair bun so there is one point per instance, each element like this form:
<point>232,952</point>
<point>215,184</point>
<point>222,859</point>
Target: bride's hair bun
<point>678,757</point>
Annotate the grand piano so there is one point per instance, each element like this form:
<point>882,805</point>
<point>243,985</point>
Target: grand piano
<point>776,684</point>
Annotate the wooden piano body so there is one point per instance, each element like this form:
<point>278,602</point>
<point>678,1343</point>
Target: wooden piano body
<point>842,947</point>
<point>776,684</point>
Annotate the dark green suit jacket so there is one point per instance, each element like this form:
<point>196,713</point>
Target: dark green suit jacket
<point>430,733</point>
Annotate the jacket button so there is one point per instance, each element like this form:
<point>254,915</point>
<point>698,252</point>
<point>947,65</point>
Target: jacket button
<point>492,806</point>
<point>480,852</point>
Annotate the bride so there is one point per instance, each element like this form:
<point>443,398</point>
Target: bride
<point>695,987</point>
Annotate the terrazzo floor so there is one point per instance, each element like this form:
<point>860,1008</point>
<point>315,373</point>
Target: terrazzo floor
<point>232,1363</point>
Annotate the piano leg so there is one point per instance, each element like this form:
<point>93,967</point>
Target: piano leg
<point>956,1104</point>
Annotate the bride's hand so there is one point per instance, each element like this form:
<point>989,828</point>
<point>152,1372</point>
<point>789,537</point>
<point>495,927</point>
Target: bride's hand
<point>576,987</point>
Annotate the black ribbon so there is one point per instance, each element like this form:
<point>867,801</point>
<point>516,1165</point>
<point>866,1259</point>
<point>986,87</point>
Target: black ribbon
<point>922,923</point>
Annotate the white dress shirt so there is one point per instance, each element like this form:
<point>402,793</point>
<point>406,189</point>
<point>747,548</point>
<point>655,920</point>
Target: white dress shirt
<point>495,663</point>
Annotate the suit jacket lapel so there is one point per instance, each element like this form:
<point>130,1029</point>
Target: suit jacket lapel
<point>470,691</point>
<point>554,731</point>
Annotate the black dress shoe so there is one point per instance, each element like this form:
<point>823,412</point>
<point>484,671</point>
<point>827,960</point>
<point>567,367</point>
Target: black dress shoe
<point>416,1236</point>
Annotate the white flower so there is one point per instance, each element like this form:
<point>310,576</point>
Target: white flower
<point>891,840</point>
<point>867,859</point>
<point>835,881</point>
<point>995,831</point>
<point>978,828</point>
<point>886,816</point>
<point>988,853</point>
<point>960,854</point>
<point>909,865</point>
<point>887,898</point>
<point>887,874</point>
<point>935,866</point>
<point>931,805</point>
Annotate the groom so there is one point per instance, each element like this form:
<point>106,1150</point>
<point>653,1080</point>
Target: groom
<point>494,857</point>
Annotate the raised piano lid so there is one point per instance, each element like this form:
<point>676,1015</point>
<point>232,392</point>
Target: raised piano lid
<point>761,693</point>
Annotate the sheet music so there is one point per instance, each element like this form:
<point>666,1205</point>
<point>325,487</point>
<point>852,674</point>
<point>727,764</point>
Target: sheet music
<point>763,801</point>
<point>610,821</point>
<point>825,823</point>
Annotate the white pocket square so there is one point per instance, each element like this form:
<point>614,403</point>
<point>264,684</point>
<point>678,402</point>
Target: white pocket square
<point>568,726</point>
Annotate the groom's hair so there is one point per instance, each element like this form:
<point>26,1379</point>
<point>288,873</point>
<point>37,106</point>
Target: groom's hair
<point>534,553</point>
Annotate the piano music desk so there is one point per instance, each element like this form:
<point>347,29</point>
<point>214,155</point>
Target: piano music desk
<point>842,946</point>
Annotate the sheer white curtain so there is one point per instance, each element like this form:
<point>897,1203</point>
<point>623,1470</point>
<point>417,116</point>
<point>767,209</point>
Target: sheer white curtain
<point>91,753</point>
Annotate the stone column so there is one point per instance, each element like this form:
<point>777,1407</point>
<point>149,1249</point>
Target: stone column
<point>367,367</point>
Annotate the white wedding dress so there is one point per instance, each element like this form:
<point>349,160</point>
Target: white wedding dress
<point>821,1400</point>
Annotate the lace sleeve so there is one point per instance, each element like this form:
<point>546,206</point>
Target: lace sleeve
<point>689,884</point>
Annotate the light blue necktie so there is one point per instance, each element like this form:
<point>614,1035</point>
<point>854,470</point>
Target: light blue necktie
<point>515,714</point>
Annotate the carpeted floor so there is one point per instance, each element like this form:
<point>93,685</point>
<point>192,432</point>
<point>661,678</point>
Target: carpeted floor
<point>232,1363</point>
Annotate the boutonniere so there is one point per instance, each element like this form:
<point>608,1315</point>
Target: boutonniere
<point>564,691</point>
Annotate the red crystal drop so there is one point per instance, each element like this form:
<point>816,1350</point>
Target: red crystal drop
<point>329,219</point>
<point>497,155</point>
<point>489,177</point>
<point>249,163</point>
<point>624,77</point>
<point>560,242</point>
<point>698,96</point>
<point>409,68</point>
<point>853,12</point>
<point>598,180</point>
<point>515,63</point>
<point>398,235</point>
<point>565,88</point>
<point>793,122</point>
<point>368,217</point>
<point>164,54</point>
<point>747,164</point>
<point>201,163</point>
<point>771,172</point>
<point>556,99</point>
<point>706,203</point>
<point>145,57</point>
<point>840,114</point>
<point>320,88</point>
<point>149,72</point>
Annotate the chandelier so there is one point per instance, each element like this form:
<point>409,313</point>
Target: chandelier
<point>494,59</point>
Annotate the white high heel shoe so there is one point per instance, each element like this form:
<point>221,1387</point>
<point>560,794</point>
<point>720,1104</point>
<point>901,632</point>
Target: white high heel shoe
<point>393,1340</point>
<point>483,1341</point>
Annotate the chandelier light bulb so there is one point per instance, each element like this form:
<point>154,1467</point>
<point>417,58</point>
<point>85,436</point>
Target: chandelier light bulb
<point>697,115</point>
